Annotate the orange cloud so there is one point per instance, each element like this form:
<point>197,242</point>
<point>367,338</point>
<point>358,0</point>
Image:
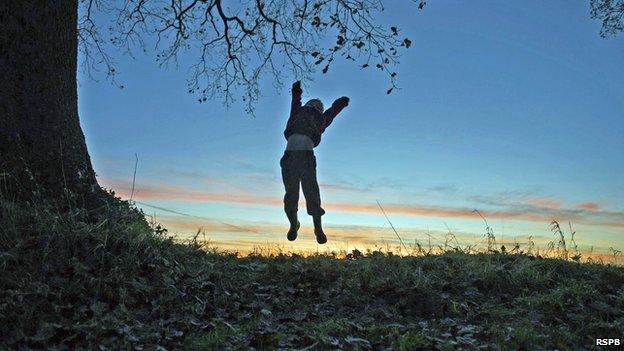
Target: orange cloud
<point>545,209</point>
<point>176,193</point>
<point>589,206</point>
<point>545,202</point>
<point>432,211</point>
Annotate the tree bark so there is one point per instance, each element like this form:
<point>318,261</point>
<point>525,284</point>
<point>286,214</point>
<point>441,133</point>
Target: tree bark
<point>42,147</point>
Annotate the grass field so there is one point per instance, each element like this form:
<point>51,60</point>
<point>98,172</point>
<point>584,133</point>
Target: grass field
<point>121,284</point>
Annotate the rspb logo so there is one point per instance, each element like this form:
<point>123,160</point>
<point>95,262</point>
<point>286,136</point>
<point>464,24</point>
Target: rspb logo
<point>608,342</point>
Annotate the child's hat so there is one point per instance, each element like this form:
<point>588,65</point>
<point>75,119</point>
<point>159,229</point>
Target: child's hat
<point>315,103</point>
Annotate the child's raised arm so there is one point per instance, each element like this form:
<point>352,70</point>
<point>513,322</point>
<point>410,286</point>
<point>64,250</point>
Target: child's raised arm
<point>295,104</point>
<point>333,111</point>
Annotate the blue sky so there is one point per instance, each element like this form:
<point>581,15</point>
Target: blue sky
<point>512,108</point>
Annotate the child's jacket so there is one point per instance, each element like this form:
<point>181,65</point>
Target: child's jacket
<point>309,121</point>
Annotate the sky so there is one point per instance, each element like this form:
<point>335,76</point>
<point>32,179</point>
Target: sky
<point>510,108</point>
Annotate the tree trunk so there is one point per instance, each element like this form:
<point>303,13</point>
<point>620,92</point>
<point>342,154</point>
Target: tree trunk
<point>42,147</point>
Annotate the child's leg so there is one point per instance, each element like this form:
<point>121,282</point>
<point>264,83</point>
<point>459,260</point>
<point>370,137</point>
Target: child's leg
<point>310,187</point>
<point>290,177</point>
<point>312,194</point>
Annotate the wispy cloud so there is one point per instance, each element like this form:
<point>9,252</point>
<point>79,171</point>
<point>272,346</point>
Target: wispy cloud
<point>358,185</point>
<point>195,175</point>
<point>179,193</point>
<point>524,209</point>
<point>589,206</point>
<point>343,187</point>
<point>544,202</point>
<point>444,189</point>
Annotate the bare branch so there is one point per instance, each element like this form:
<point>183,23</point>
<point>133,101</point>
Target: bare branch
<point>611,13</point>
<point>235,47</point>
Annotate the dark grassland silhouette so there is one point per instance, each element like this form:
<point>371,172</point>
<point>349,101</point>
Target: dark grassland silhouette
<point>83,270</point>
<point>123,284</point>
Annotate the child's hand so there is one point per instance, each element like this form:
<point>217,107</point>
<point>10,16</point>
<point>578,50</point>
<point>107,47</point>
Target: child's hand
<point>296,86</point>
<point>343,101</point>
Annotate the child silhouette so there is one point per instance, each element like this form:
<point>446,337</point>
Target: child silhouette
<point>303,132</point>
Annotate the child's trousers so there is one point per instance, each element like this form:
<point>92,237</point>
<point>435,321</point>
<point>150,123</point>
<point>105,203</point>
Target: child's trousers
<point>300,167</point>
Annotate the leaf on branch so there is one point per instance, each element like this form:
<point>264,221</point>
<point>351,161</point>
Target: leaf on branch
<point>365,65</point>
<point>326,68</point>
<point>394,30</point>
<point>407,43</point>
<point>389,91</point>
<point>315,54</point>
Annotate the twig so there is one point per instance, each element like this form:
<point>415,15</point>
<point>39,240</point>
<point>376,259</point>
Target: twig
<point>136,163</point>
<point>491,239</point>
<point>194,216</point>
<point>391,225</point>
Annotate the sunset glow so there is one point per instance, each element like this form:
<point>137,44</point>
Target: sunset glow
<point>520,120</point>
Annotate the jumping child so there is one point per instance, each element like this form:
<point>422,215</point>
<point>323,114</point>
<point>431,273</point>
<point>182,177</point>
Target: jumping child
<point>303,131</point>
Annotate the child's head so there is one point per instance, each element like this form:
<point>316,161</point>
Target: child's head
<point>315,103</point>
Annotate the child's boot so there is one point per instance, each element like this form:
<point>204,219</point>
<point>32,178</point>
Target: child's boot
<point>294,226</point>
<point>321,238</point>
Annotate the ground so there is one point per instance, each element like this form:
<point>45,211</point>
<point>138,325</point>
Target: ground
<point>118,283</point>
